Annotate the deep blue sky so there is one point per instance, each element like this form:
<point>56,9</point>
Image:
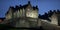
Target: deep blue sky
<point>43,5</point>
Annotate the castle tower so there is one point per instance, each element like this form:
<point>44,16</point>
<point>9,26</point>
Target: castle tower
<point>54,19</point>
<point>31,11</point>
<point>9,13</point>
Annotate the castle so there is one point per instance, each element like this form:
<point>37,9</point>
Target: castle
<point>27,16</point>
<point>23,14</point>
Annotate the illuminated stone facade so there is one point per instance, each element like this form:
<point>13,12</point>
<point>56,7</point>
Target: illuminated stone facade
<point>22,11</point>
<point>24,16</point>
<point>54,19</point>
<point>27,16</point>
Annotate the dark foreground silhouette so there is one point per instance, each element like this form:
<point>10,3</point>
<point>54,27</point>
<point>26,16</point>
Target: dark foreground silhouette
<point>8,27</point>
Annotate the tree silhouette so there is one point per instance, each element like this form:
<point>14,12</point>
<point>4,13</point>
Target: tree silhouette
<point>54,11</point>
<point>50,13</point>
<point>39,16</point>
<point>58,11</point>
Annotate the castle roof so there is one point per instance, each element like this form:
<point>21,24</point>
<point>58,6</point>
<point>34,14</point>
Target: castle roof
<point>49,14</point>
<point>21,7</point>
<point>54,12</point>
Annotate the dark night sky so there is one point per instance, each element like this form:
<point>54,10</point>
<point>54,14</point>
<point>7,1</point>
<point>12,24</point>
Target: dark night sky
<point>43,5</point>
